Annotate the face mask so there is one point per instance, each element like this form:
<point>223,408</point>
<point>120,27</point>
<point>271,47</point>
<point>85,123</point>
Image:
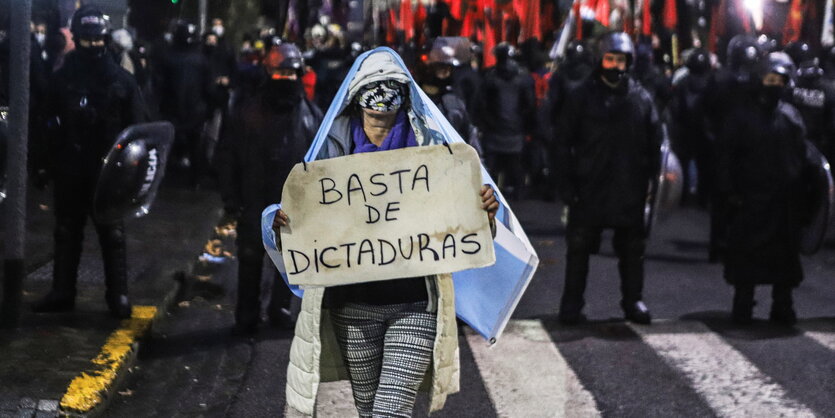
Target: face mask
<point>282,94</point>
<point>382,96</point>
<point>218,30</point>
<point>613,75</point>
<point>93,53</point>
<point>770,96</point>
<point>40,38</point>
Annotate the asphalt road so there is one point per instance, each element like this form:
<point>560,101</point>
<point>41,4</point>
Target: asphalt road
<point>691,362</point>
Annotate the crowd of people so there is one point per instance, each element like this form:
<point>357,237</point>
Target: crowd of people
<point>586,127</point>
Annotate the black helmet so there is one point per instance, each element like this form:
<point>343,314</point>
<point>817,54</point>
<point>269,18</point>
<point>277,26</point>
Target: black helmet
<point>504,52</point>
<point>443,52</point>
<point>779,63</point>
<point>616,42</point>
<point>282,56</point>
<point>698,62</point>
<point>743,56</point>
<point>185,33</point>
<point>767,44</point>
<point>88,22</point>
<point>800,52</point>
<point>578,52</point>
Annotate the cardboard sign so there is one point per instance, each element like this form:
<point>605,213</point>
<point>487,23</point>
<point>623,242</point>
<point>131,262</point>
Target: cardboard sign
<point>385,215</point>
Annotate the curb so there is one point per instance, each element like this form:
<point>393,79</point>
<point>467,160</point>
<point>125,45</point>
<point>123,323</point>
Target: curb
<point>89,393</point>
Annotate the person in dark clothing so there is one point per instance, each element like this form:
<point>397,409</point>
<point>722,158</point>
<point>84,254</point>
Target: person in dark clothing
<point>573,69</point>
<point>437,84</point>
<point>93,99</point>
<point>185,87</point>
<point>651,77</point>
<point>814,97</point>
<point>728,88</point>
<point>506,116</point>
<point>761,169</point>
<point>269,133</point>
<point>608,151</point>
<point>688,113</point>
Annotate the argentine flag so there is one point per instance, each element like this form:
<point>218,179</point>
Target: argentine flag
<point>485,298</point>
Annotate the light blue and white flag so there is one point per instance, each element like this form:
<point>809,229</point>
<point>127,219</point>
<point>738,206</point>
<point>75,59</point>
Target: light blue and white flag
<point>485,298</point>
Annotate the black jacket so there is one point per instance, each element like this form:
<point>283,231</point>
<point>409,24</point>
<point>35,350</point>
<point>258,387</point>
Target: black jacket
<point>761,168</point>
<point>259,150</point>
<point>506,109</point>
<point>815,99</point>
<point>184,88</point>
<point>89,106</point>
<point>607,150</point>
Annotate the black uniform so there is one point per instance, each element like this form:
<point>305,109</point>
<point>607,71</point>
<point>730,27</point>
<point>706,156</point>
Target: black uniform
<point>184,89</point>
<point>691,140</point>
<point>93,99</point>
<point>761,168</point>
<point>607,151</point>
<point>814,97</point>
<point>269,133</point>
<point>506,115</point>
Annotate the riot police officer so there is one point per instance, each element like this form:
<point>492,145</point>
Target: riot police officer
<point>437,83</point>
<point>761,167</point>
<point>608,142</point>
<point>731,86</point>
<point>270,133</point>
<point>813,97</point>
<point>93,99</point>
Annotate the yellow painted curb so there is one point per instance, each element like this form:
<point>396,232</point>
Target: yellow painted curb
<point>87,390</point>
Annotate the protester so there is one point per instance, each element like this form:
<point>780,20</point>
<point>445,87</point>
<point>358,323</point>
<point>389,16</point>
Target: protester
<point>761,165</point>
<point>437,83</point>
<point>390,333</point>
<point>92,100</point>
<point>608,151</point>
<point>269,133</point>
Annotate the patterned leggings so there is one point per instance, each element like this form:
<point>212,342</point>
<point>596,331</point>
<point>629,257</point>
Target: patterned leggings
<point>387,350</point>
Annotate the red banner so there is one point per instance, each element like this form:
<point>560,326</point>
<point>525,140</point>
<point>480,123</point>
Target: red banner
<point>794,22</point>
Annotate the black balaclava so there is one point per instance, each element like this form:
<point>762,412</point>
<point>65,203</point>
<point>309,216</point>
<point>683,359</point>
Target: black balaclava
<point>282,95</point>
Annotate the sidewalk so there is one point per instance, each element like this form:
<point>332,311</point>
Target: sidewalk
<point>70,363</point>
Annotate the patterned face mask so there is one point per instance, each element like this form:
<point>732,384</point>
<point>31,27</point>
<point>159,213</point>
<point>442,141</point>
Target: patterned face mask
<point>383,96</point>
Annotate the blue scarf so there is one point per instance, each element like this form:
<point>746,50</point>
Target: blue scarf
<point>400,136</point>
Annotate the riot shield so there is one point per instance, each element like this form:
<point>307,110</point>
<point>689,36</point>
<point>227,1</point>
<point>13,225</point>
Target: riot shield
<point>133,171</point>
<point>820,198</point>
<point>665,192</point>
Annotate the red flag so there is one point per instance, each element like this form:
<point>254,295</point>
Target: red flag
<point>646,19</point>
<point>717,24</point>
<point>492,25</point>
<point>391,30</point>
<point>602,10</point>
<point>578,20</point>
<point>670,18</point>
<point>406,19</point>
<point>419,18</point>
<point>743,15</point>
<point>456,8</point>
<point>794,22</point>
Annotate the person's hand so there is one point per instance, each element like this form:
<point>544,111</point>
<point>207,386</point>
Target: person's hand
<point>280,220</point>
<point>489,202</point>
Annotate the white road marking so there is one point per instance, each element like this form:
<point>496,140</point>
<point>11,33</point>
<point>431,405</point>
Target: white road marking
<point>822,332</point>
<point>730,384</point>
<point>526,376</point>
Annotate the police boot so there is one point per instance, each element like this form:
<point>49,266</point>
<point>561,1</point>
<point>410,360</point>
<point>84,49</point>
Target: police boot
<point>629,245</point>
<point>112,239</point>
<point>743,304</point>
<point>68,236</point>
<point>782,309</point>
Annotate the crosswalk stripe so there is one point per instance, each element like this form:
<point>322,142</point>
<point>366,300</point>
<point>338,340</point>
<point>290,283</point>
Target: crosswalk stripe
<point>526,376</point>
<point>822,333</point>
<point>731,384</point>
